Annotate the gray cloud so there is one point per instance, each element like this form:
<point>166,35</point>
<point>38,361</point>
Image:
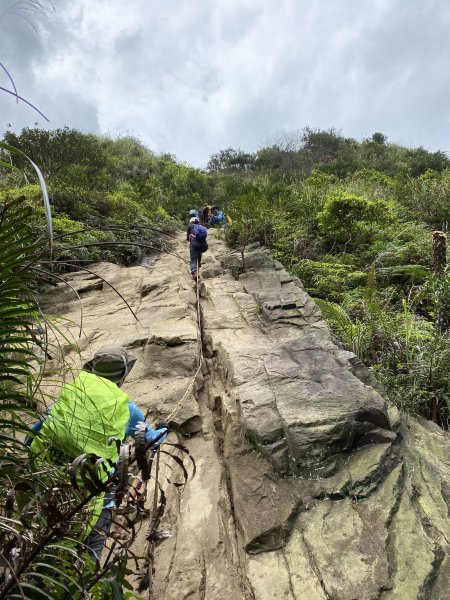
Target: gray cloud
<point>191,78</point>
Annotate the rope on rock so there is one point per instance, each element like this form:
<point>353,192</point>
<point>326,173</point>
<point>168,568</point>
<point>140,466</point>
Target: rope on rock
<point>156,508</point>
<point>200,357</point>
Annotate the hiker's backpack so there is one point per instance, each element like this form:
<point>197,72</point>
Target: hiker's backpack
<point>199,232</point>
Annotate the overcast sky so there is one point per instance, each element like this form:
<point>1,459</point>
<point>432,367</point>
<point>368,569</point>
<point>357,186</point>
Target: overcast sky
<point>191,77</point>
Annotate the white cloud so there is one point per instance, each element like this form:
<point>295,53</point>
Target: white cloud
<point>193,77</point>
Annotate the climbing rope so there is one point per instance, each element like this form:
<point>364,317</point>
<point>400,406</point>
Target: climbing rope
<point>156,514</point>
<point>200,358</point>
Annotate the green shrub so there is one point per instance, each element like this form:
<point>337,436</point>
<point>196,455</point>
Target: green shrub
<point>428,197</point>
<point>350,220</point>
<point>328,279</point>
<point>406,352</point>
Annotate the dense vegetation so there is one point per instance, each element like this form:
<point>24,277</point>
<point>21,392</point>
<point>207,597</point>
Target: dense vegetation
<point>353,220</point>
<point>106,194</point>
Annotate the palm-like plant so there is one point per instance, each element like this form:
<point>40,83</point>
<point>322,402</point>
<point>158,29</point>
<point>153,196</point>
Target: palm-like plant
<point>25,496</point>
<point>35,552</point>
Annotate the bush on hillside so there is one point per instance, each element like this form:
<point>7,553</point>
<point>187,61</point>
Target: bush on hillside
<point>351,221</point>
<point>428,197</point>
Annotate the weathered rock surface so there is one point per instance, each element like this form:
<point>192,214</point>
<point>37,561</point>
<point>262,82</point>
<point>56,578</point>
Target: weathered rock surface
<point>308,486</point>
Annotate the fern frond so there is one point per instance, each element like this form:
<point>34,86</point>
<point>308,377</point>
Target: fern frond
<point>352,334</point>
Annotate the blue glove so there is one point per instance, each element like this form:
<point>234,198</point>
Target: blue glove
<point>153,434</point>
<point>136,416</point>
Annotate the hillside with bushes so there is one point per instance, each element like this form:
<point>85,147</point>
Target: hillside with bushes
<point>106,194</point>
<point>352,219</point>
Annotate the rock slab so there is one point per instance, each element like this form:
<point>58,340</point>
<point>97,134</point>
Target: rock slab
<point>308,484</point>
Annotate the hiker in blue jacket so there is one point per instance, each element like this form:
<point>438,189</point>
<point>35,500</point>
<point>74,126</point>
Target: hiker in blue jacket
<point>217,217</point>
<point>196,236</point>
<point>87,413</point>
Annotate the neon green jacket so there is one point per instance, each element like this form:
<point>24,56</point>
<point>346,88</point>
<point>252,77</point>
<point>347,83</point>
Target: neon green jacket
<point>88,412</point>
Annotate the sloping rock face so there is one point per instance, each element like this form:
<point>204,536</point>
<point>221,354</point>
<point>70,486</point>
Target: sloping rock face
<point>299,401</point>
<point>308,485</point>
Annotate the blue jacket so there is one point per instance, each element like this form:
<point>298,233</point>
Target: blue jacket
<point>218,219</point>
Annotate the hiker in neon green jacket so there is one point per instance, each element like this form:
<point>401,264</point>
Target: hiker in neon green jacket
<point>88,412</point>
